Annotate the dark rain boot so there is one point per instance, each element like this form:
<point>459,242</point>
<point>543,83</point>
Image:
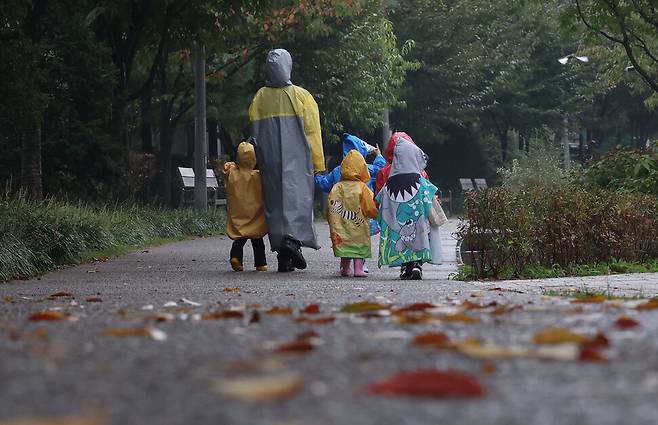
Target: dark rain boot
<point>285,262</point>
<point>294,248</point>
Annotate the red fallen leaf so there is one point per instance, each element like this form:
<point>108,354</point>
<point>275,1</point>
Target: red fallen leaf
<point>319,321</point>
<point>48,316</point>
<point>428,383</point>
<point>590,354</point>
<point>295,347</point>
<point>223,314</point>
<point>625,322</point>
<point>597,341</point>
<point>280,310</point>
<point>94,300</point>
<point>311,309</point>
<point>433,339</point>
<point>414,307</point>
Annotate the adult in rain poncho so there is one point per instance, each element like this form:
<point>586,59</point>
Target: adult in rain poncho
<point>286,125</point>
<point>349,206</point>
<point>405,203</point>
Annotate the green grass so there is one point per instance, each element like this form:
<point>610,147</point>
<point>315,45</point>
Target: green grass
<point>588,293</point>
<point>538,271</point>
<point>36,237</point>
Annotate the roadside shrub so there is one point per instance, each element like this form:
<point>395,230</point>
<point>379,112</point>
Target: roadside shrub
<point>625,170</point>
<point>39,236</point>
<point>513,230</point>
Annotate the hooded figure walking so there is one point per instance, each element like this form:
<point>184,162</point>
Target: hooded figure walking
<point>286,126</point>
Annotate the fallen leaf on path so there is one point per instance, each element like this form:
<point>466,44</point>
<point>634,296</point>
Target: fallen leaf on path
<point>236,289</point>
<point>55,421</point>
<point>413,308</point>
<point>316,320</point>
<point>428,383</point>
<point>652,304</point>
<point>489,367</point>
<point>145,332</point>
<point>557,335</point>
<point>223,314</point>
<point>590,299</point>
<point>261,389</point>
<point>307,335</point>
<point>163,317</point>
<point>362,307</point>
<point>280,310</point>
<point>433,339</point>
<point>170,304</point>
<point>94,300</point>
<point>255,317</point>
<point>413,319</point>
<point>295,347</point>
<point>477,349</point>
<point>625,322</point>
<point>589,354</point>
<point>47,316</point>
<point>597,341</point>
<point>60,295</point>
<point>311,309</point>
<point>459,317</point>
<point>189,302</point>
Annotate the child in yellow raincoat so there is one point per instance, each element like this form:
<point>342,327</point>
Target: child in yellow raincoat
<point>349,207</point>
<point>246,214</point>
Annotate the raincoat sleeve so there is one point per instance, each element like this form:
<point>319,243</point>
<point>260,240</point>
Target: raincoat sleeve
<point>378,164</point>
<point>312,131</point>
<point>227,170</point>
<point>368,206</point>
<point>326,183</point>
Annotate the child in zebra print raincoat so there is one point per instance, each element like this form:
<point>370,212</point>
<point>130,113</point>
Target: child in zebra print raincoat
<point>349,208</point>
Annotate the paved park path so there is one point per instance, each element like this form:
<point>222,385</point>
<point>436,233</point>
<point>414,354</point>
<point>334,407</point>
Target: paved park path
<point>115,354</point>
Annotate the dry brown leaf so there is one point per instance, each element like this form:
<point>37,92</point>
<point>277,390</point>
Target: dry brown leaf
<point>223,314</point>
<point>299,346</point>
<point>459,317</point>
<point>261,389</point>
<point>255,317</point>
<point>557,335</point>
<point>56,421</point>
<point>280,310</point>
<point>236,289</point>
<point>414,308</point>
<point>47,316</point>
<point>311,309</point>
<point>145,332</point>
<point>477,349</point>
<point>433,339</point>
<point>590,299</point>
<point>590,354</point>
<point>94,300</point>
<point>316,320</point>
<point>652,304</point>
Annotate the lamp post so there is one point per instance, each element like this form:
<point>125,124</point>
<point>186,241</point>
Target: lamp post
<point>565,121</point>
<point>200,141</point>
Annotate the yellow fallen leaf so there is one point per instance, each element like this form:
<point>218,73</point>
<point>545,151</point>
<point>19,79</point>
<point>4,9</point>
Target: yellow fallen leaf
<point>459,317</point>
<point>152,333</point>
<point>261,389</point>
<point>652,304</point>
<point>362,307</point>
<point>279,310</point>
<point>479,350</point>
<point>552,336</point>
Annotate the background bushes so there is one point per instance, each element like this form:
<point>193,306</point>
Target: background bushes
<point>39,236</point>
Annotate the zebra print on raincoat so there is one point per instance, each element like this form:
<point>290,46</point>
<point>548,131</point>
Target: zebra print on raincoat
<point>349,207</point>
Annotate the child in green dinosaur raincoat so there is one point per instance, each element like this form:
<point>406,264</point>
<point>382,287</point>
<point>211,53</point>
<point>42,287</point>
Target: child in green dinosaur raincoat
<point>405,203</point>
<point>350,205</point>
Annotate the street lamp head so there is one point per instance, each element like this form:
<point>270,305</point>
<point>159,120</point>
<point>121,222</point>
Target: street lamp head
<point>567,58</point>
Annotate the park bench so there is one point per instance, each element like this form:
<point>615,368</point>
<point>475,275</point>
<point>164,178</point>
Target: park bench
<point>186,176</point>
<point>472,184</point>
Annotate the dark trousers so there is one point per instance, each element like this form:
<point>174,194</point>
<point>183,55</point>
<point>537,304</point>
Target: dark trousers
<point>259,250</point>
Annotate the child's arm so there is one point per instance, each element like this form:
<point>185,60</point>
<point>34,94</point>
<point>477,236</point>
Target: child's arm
<point>326,183</point>
<point>368,206</point>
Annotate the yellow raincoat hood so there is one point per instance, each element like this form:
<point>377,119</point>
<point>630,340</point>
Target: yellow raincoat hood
<point>246,156</point>
<point>354,168</point>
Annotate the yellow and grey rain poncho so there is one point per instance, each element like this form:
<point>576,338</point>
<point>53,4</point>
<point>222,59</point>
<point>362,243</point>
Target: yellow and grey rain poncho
<point>286,125</point>
<point>246,217</point>
<point>349,207</point>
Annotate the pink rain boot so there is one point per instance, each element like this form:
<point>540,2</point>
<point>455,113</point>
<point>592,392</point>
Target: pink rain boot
<point>358,268</point>
<point>345,267</point>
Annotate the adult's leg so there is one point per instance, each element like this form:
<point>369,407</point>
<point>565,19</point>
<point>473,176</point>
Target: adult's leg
<point>293,248</point>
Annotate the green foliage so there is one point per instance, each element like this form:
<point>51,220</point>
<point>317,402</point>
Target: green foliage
<point>40,236</point>
<point>513,229</point>
<point>625,170</point>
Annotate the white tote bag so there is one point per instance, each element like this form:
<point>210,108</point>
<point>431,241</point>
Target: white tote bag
<point>435,245</point>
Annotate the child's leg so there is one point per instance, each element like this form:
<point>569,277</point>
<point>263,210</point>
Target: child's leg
<point>260,262</point>
<point>358,268</point>
<point>345,266</point>
<point>236,254</point>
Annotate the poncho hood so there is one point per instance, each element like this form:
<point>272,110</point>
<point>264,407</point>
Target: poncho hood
<point>398,135</point>
<point>246,157</point>
<point>278,67</point>
<point>354,168</point>
<point>351,142</point>
<point>407,158</point>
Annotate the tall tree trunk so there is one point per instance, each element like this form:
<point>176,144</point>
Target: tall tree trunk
<point>146,125</point>
<point>31,161</point>
<point>165,168</point>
